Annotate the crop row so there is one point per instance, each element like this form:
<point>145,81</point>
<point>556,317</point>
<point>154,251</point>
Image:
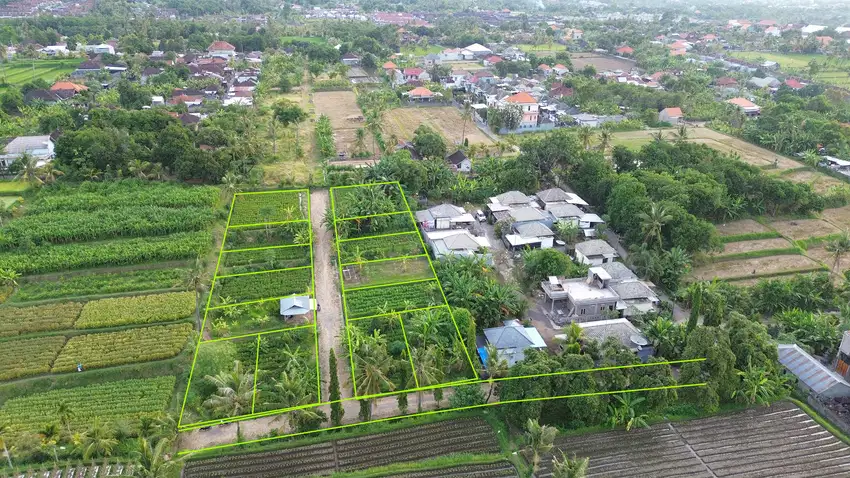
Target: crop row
<point>78,226</point>
<point>235,462</point>
<point>126,400</point>
<point>118,348</point>
<point>262,236</point>
<point>24,357</point>
<point>271,207</point>
<point>91,196</point>
<point>263,286</point>
<point>388,272</point>
<point>374,226</point>
<point>501,469</point>
<point>50,258</point>
<point>325,138</point>
<point>367,200</point>
<point>40,318</point>
<point>81,285</point>
<point>142,309</point>
<point>265,259</point>
<point>393,298</point>
<point>380,248</point>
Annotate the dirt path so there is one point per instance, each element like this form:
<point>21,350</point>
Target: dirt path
<point>329,319</point>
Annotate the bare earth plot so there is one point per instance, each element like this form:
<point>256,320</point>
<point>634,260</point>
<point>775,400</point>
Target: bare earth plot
<point>819,182</point>
<point>749,153</point>
<point>767,442</point>
<point>744,226</point>
<point>446,120</point>
<point>758,245</point>
<point>341,108</point>
<point>798,229</point>
<point>600,62</point>
<point>743,268</point>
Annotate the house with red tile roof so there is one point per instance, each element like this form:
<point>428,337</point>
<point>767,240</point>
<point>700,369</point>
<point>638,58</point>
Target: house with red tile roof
<point>492,60</point>
<point>560,69</point>
<point>221,49</point>
<point>389,66</point>
<point>545,69</point>
<point>824,41</point>
<point>625,50</point>
<point>558,90</point>
<point>409,75</point>
<point>746,106</point>
<point>420,93</point>
<point>673,116</point>
<point>530,108</point>
<point>726,81</point>
<point>794,84</point>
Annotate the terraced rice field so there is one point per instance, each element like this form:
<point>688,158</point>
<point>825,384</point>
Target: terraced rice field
<point>775,441</point>
<point>797,229</point>
<point>744,226</point>
<point>759,266</point>
<point>752,246</point>
<point>819,182</point>
<point>20,72</point>
<point>406,445</point>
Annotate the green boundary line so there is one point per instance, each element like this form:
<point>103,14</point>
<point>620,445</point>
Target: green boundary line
<point>216,307</point>
<point>274,223</point>
<point>264,332</point>
<point>393,284</point>
<point>383,214</point>
<point>433,412</point>
<point>440,385</point>
<point>263,272</point>
<point>387,259</point>
<point>382,183</point>
<point>263,248</point>
<point>400,312</point>
<point>342,293</point>
<point>277,191</point>
<point>206,313</point>
<point>313,298</point>
<point>377,236</point>
<point>256,372</point>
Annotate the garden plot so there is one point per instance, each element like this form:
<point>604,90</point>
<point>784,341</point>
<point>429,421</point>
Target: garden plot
<point>271,207</point>
<point>838,217</point>
<point>346,118</point>
<point>797,229</point>
<point>744,247</point>
<point>742,227</point>
<point>819,182</point>
<point>600,62</point>
<point>250,319</point>
<point>780,440</point>
<point>404,244</point>
<point>406,445</point>
<point>359,202</point>
<point>267,236</point>
<point>386,271</point>
<point>392,298</point>
<point>821,254</point>
<point>253,286</point>
<point>755,267</point>
<point>445,120</point>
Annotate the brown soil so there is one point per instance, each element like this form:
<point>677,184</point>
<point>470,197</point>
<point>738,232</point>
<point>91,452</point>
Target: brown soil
<point>744,226</point>
<point>402,122</point>
<point>819,182</point>
<point>341,108</point>
<point>804,228</point>
<point>759,245</point>
<point>745,267</point>
<point>838,217</point>
<point>600,62</point>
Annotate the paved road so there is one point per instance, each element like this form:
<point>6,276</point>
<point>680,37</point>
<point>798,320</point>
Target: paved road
<point>330,318</point>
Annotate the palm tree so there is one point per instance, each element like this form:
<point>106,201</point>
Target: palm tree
<point>567,231</point>
<point>465,116</point>
<point>567,468</point>
<point>624,412</point>
<point>139,168</point>
<point>65,414</point>
<point>359,141</point>
<point>99,441</point>
<point>234,393</point>
<point>49,173</point>
<point>374,123</point>
<point>9,277</point>
<point>29,169</point>
<point>605,137</point>
<point>426,369</point>
<point>497,367</point>
<point>658,136</point>
<point>231,183</point>
<point>836,247</point>
<point>681,134</point>
<point>154,461</point>
<point>372,363</point>
<point>585,136</point>
<point>653,222</point>
<point>539,439</point>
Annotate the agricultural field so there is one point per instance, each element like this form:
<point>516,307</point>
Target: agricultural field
<point>833,70</point>
<point>819,182</point>
<point>446,120</point>
<point>544,49</point>
<point>106,282</point>
<point>600,61</point>
<point>17,73</point>
<point>406,445</point>
<point>345,116</point>
<point>780,440</point>
<point>746,152</point>
<point>395,312</point>
<point>247,342</point>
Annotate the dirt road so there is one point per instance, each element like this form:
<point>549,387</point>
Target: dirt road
<point>329,319</point>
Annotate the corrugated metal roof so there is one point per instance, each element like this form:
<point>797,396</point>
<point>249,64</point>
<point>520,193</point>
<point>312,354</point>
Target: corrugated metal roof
<point>809,370</point>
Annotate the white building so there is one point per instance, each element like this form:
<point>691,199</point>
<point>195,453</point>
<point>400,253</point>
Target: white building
<point>455,242</point>
<point>221,49</point>
<point>40,147</point>
<point>97,49</point>
<point>809,29</point>
<point>595,252</point>
<point>478,50</point>
<point>530,109</point>
<point>54,50</point>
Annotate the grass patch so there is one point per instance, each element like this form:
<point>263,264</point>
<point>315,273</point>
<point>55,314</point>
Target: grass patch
<point>806,244</point>
<point>770,275</point>
<point>434,464</point>
<point>762,253</point>
<point>13,187</point>
<point>752,236</point>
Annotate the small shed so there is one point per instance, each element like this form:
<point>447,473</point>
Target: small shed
<point>813,375</point>
<point>292,306</point>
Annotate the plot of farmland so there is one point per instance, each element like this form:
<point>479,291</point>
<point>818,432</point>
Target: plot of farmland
<point>745,268</point>
<point>402,122</point>
<point>819,182</point>
<point>839,217</point>
<point>17,73</point>
<point>600,62</point>
<point>748,153</point>
<point>752,246</point>
<point>341,108</point>
<point>804,228</point>
<point>744,226</point>
<point>406,445</point>
<point>775,441</point>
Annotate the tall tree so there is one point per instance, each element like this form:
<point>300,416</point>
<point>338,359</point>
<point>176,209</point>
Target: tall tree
<point>539,439</point>
<point>838,248</point>
<point>154,460</point>
<point>652,223</point>
<point>337,410</point>
<point>564,467</point>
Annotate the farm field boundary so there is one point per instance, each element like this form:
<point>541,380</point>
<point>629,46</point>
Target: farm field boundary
<point>260,284</point>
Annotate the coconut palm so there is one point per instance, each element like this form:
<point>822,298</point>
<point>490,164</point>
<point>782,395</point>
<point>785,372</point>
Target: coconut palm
<point>99,440</point>
<point>653,222</point>
<point>9,277</point>
<point>231,183</point>
<point>139,168</point>
<point>375,124</point>
<point>565,467</point>
<point>836,247</point>
<point>65,414</point>
<point>152,460</point>
<point>49,173</point>
<point>426,368</point>
<point>497,367</point>
<point>539,439</point>
<point>234,392</point>
<point>681,134</point>
<point>605,137</point>
<point>585,136</point>
<point>360,141</point>
<point>29,169</point>
<point>658,136</point>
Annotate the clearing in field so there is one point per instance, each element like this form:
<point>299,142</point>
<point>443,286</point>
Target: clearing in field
<point>17,73</point>
<point>839,217</point>
<point>833,70</point>
<point>747,152</point>
<point>819,182</point>
<point>345,116</point>
<point>601,62</point>
<point>744,226</point>
<point>446,120</point>
<point>797,229</point>
<point>742,247</point>
<point>259,325</point>
<point>749,268</point>
<point>396,315</point>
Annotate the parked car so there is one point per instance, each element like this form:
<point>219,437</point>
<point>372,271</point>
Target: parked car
<point>479,216</point>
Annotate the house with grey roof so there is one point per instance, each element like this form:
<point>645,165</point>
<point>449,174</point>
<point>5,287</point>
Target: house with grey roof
<point>457,242</point>
<point>767,82</point>
<point>620,330</point>
<point>618,271</point>
<point>530,214</point>
<point>39,147</point>
<point>444,216</point>
<point>552,196</point>
<point>636,298</point>
<point>565,212</point>
<point>814,376</point>
<point>511,199</point>
<point>535,235</point>
<point>512,340</point>
<point>594,252</point>
<point>292,306</point>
